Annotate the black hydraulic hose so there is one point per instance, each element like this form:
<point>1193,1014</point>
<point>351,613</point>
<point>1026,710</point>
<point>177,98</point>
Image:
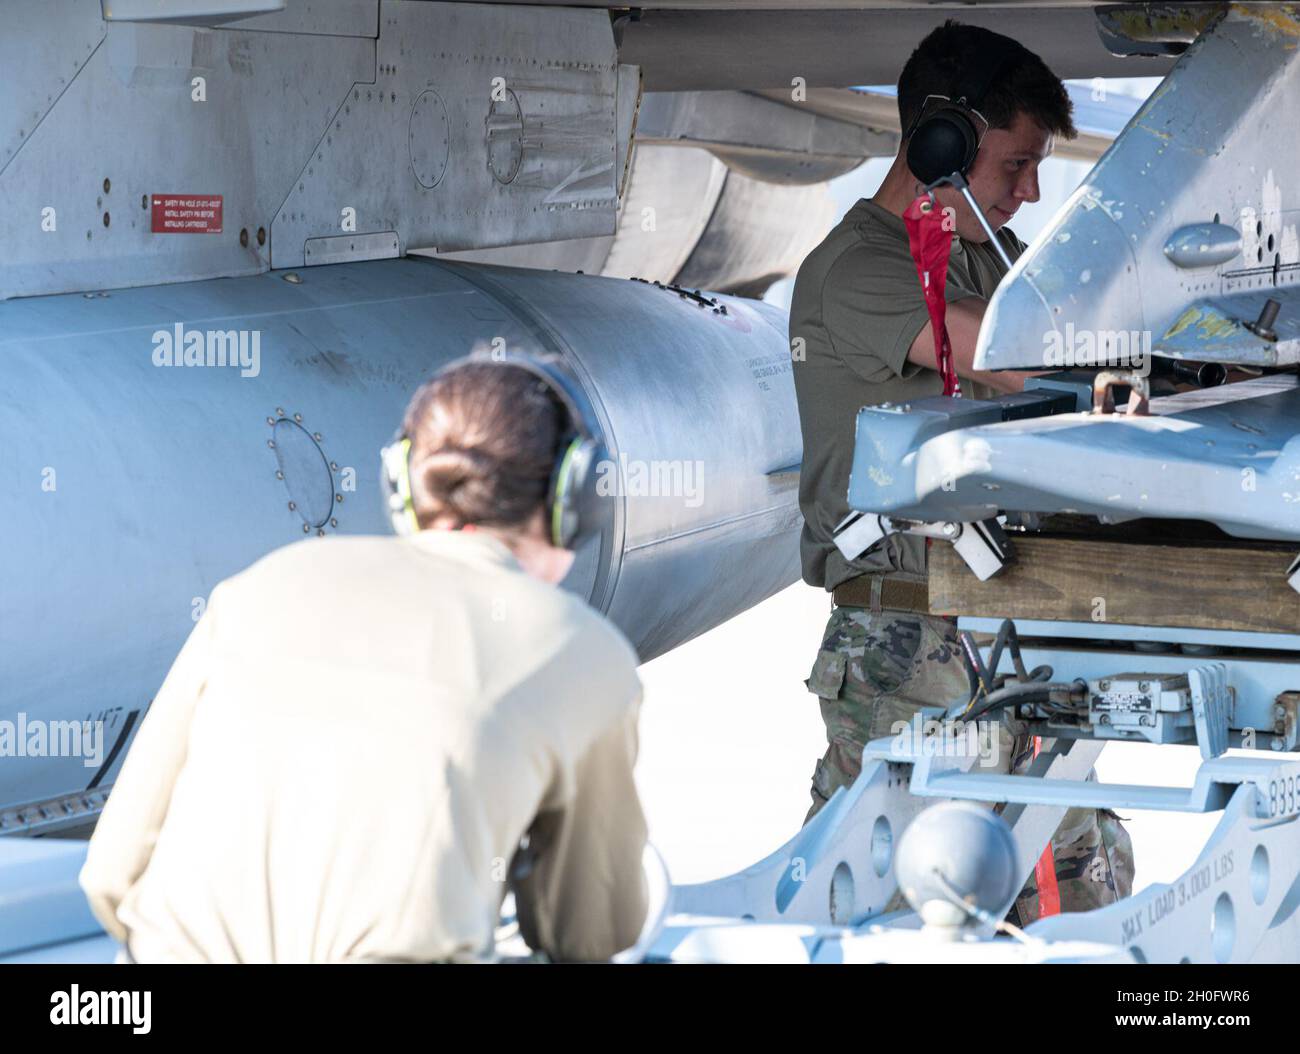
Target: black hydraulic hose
<point>1007,638</point>
<point>976,674</point>
<point>1012,694</point>
<point>982,677</point>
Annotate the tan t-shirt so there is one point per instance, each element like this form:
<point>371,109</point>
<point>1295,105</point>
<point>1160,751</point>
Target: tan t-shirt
<point>857,306</point>
<point>343,758</point>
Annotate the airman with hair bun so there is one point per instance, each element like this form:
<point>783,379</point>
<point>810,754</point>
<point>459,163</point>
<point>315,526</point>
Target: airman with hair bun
<point>362,732</point>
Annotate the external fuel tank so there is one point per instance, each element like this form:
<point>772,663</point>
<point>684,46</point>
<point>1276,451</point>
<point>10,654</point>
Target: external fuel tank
<point>133,482</point>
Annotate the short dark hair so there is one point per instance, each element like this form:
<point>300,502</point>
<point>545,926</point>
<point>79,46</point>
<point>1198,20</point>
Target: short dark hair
<point>943,60</point>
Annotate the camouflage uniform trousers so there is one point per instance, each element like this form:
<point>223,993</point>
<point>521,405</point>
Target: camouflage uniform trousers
<point>875,670</point>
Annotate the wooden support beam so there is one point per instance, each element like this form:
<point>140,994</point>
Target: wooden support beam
<point>1241,586</point>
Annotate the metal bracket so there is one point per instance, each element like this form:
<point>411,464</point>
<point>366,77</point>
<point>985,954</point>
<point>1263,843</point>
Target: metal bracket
<point>1216,782</point>
<point>1103,398</point>
<point>344,248</point>
<point>54,814</point>
<point>1212,705</point>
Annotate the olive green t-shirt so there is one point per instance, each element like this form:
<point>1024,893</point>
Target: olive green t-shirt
<point>857,306</point>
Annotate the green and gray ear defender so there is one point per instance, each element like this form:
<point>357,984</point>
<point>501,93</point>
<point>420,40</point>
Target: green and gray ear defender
<point>395,461</point>
<point>573,502</point>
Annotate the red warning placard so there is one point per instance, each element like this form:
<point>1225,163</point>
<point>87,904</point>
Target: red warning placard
<point>186,213</point>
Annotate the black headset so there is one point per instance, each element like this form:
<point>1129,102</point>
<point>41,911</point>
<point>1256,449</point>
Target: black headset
<point>946,133</point>
<point>573,506</point>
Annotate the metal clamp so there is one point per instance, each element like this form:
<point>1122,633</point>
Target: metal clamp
<point>1103,399</point>
<point>1212,705</point>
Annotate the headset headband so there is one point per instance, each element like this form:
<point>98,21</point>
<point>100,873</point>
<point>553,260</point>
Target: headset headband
<point>944,138</point>
<point>582,419</point>
<point>979,70</point>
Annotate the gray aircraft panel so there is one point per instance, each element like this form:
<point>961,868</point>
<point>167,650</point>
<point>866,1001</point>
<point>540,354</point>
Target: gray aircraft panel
<point>1214,329</point>
<point>1226,455</point>
<point>42,48</point>
<point>131,109</point>
<point>762,137</point>
<point>467,138</point>
<point>460,126</point>
<point>357,18</point>
<point>1204,169</point>
<point>713,50</point>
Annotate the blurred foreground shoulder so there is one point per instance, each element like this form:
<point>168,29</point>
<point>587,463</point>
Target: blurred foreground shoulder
<point>599,644</point>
